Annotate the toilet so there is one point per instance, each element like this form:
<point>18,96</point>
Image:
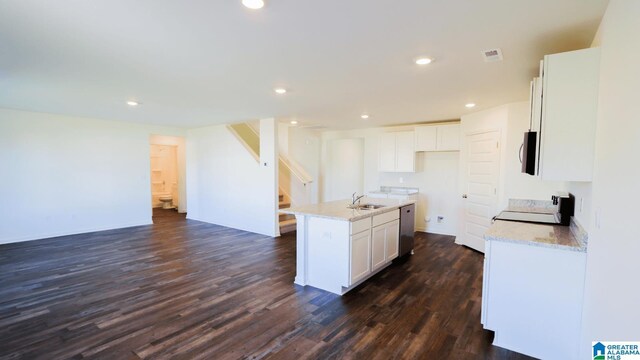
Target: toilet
<point>166,201</point>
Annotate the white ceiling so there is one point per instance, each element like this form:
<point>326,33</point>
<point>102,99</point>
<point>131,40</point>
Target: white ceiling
<point>196,62</point>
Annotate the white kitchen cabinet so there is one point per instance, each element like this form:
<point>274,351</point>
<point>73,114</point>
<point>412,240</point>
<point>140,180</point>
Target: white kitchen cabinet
<point>360,264</point>
<point>568,116</point>
<point>426,138</point>
<point>449,137</point>
<point>392,238</point>
<point>437,138</point>
<point>378,243</point>
<point>397,152</point>
<point>532,298</point>
<point>405,152</point>
<point>384,243</point>
<point>387,159</point>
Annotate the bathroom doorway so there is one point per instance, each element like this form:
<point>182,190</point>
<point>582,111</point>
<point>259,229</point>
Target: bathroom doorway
<point>167,158</point>
<point>164,176</point>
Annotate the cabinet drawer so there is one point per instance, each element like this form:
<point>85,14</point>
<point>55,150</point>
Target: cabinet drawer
<point>360,225</point>
<point>386,217</point>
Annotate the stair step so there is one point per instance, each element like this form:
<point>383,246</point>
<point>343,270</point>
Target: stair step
<point>283,217</point>
<point>280,197</point>
<point>283,205</point>
<point>287,226</point>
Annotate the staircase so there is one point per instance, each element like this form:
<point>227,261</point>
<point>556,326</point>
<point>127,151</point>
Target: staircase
<point>287,222</point>
<point>292,178</point>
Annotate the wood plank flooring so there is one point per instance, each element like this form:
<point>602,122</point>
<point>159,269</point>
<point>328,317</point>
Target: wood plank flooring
<point>190,290</point>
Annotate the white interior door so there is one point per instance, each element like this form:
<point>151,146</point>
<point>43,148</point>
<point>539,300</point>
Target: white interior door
<point>164,174</point>
<point>480,187</point>
<point>344,169</point>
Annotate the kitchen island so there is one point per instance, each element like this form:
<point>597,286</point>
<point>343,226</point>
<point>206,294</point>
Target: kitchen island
<point>338,247</point>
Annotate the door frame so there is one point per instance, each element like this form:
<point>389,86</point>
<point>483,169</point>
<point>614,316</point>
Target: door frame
<point>180,144</point>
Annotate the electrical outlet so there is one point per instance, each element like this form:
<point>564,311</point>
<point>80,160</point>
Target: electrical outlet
<point>440,219</point>
<point>401,180</point>
<point>581,204</point>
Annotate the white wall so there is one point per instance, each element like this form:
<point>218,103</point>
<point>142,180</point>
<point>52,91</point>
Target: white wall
<point>181,154</point>
<point>344,170</point>
<point>304,148</point>
<point>436,177</point>
<point>63,175</point>
<point>612,296</point>
<point>300,149</point>
<point>225,184</point>
<point>582,191</point>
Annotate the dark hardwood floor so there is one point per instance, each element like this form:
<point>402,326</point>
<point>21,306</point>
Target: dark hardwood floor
<point>186,289</point>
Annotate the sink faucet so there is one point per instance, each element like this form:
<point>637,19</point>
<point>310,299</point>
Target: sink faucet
<point>355,198</point>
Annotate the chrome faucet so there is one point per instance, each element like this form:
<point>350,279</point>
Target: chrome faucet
<point>355,198</point>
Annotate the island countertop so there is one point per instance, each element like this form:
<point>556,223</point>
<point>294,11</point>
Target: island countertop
<point>339,210</point>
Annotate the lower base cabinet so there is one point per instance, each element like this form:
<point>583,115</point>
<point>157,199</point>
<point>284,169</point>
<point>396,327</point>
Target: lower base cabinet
<point>532,298</point>
<point>384,243</point>
<point>360,256</point>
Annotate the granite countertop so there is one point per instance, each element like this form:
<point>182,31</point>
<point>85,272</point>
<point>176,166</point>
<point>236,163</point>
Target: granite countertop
<point>339,210</point>
<point>552,236</point>
<point>571,237</point>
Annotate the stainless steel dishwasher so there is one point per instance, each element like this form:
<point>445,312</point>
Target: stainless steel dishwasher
<point>407,229</point>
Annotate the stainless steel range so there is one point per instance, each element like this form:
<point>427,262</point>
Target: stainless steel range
<point>565,203</point>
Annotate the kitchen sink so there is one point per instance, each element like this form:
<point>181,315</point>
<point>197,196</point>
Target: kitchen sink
<point>366,206</point>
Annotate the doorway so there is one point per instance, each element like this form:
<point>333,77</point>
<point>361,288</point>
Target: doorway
<point>164,176</point>
<point>167,173</point>
<point>480,175</point>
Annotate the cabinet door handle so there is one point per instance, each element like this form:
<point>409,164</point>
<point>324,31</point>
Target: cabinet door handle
<point>464,196</point>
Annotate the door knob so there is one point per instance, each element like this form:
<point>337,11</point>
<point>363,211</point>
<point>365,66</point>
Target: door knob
<point>464,196</point>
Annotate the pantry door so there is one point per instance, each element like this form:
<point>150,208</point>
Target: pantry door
<point>480,175</point>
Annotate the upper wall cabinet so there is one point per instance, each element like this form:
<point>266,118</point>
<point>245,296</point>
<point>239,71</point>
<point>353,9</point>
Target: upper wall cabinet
<point>397,152</point>
<point>568,115</point>
<point>438,138</point>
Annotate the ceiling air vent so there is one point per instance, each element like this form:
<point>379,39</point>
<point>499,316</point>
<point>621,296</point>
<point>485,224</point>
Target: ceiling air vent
<point>492,55</point>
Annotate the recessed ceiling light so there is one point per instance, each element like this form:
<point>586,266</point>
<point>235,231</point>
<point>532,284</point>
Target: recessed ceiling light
<point>132,103</point>
<point>293,122</point>
<point>364,116</point>
<point>253,4</point>
<point>280,91</point>
<point>470,105</point>
<point>423,61</point>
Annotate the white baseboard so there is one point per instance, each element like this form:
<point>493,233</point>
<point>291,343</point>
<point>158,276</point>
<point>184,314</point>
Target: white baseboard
<point>435,231</point>
<point>275,233</point>
<point>47,235</point>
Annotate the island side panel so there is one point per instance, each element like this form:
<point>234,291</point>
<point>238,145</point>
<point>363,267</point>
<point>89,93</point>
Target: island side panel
<point>328,253</point>
<point>301,250</point>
